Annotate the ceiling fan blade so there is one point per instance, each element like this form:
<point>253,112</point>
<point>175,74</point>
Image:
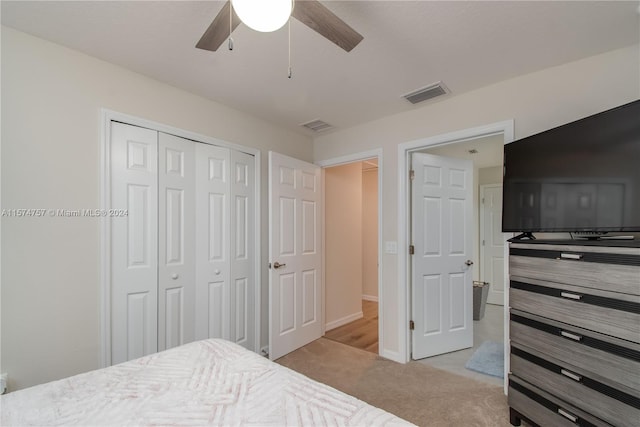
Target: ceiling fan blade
<point>320,19</point>
<point>218,31</point>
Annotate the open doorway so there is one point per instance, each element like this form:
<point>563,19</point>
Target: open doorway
<point>351,254</point>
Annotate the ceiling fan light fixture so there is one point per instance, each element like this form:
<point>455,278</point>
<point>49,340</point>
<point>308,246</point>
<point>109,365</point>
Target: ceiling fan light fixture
<point>263,15</point>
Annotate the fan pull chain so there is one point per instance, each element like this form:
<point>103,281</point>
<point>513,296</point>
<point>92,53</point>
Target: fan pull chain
<point>289,47</point>
<point>230,26</point>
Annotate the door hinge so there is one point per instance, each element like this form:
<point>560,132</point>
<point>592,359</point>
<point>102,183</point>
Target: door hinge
<point>412,325</point>
<point>412,249</point>
<point>483,200</point>
<point>269,266</point>
<point>412,174</point>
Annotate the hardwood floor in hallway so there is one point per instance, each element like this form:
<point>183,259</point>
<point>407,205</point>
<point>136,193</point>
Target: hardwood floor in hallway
<point>361,333</point>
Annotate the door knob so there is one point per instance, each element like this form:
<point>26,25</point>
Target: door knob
<point>278,265</point>
<point>174,276</point>
<point>468,262</point>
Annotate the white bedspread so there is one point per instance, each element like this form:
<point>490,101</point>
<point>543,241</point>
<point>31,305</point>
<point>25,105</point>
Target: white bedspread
<point>210,382</point>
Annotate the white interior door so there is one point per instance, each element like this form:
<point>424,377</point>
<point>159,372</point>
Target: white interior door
<point>492,242</point>
<point>134,242</point>
<point>212,242</point>
<point>442,230</point>
<point>176,241</point>
<point>242,253</point>
<point>295,254</point>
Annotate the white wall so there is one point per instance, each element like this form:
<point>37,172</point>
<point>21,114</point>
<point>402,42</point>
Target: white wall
<point>51,101</point>
<point>491,175</point>
<point>343,244</point>
<point>535,102</point>
<point>370,233</point>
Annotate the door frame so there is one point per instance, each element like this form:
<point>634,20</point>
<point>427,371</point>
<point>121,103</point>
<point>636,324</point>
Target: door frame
<point>343,160</point>
<point>107,116</point>
<point>404,230</point>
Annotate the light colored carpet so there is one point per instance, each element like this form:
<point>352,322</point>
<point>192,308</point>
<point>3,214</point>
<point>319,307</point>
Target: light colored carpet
<point>488,359</point>
<point>420,394</point>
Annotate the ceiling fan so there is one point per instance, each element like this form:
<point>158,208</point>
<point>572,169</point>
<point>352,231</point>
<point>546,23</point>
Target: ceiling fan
<point>310,12</point>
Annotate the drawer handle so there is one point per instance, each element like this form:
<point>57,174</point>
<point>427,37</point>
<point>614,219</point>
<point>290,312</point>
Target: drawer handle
<point>571,336</point>
<point>570,295</point>
<point>571,375</point>
<point>571,256</point>
<point>568,415</point>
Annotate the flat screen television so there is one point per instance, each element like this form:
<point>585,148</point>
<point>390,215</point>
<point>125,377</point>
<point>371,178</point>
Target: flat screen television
<point>583,176</point>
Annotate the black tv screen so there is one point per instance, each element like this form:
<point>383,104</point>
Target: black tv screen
<point>580,177</point>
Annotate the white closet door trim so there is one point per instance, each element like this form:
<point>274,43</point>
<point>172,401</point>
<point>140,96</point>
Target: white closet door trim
<point>107,116</point>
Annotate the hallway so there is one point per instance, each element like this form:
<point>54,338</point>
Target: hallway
<point>361,333</point>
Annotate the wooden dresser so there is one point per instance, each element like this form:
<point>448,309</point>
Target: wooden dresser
<point>575,332</point>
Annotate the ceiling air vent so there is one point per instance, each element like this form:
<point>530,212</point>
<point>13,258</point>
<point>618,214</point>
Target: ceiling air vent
<point>427,93</point>
<point>317,125</point>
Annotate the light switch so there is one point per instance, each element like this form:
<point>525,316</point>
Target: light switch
<point>391,247</point>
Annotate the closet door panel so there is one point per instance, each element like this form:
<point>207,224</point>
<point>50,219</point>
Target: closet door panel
<point>212,224</point>
<point>211,315</point>
<point>183,260</point>
<point>242,249</point>
<point>134,245</point>
<point>176,240</point>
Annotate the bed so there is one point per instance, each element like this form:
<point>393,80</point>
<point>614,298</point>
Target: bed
<point>209,382</point>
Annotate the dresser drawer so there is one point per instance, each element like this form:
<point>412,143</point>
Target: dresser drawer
<point>546,410</point>
<point>617,270</point>
<point>575,387</point>
<point>609,360</point>
<point>606,312</point>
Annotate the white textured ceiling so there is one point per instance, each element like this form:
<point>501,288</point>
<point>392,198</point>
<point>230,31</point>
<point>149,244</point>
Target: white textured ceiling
<point>407,45</point>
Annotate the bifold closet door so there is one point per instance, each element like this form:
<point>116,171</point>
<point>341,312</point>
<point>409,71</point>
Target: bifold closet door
<point>225,242</point>
<point>212,241</point>
<point>153,248</point>
<point>176,241</point>
<point>183,260</point>
<point>242,284</point>
<point>225,245</point>
<point>134,244</point>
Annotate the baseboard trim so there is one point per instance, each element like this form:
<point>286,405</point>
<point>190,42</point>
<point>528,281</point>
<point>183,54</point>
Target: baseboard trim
<point>370,298</point>
<point>392,355</point>
<point>343,321</point>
